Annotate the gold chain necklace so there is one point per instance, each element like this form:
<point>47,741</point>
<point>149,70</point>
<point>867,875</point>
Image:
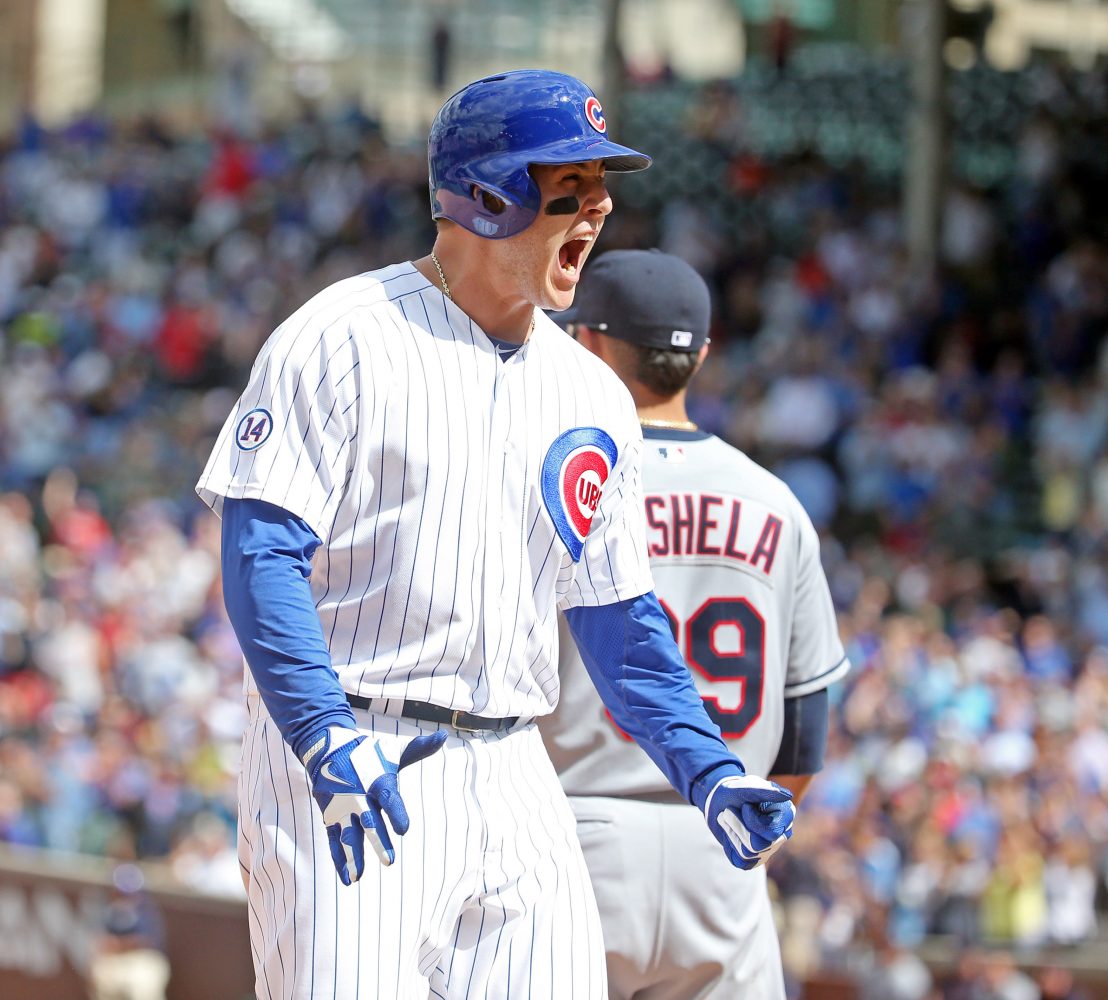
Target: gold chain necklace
<point>678,425</point>
<point>442,277</point>
<point>446,289</point>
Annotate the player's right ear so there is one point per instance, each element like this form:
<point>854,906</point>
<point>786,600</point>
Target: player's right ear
<point>702,355</point>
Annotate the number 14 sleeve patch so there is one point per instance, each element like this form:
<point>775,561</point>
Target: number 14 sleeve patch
<point>253,429</point>
<point>574,471</point>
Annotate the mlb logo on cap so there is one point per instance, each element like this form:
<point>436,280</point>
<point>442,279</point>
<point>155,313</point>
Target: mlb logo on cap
<point>681,338</point>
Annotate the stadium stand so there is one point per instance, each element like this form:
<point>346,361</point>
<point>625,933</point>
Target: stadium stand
<point>948,432</point>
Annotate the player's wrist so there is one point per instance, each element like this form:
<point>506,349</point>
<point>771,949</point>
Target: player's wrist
<point>702,787</point>
<point>307,734</point>
<point>322,742</point>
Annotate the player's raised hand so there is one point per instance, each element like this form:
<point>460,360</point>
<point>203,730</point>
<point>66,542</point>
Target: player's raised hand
<point>354,783</point>
<point>751,817</point>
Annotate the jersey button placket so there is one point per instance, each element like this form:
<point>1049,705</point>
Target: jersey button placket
<point>509,420</point>
<point>495,466</point>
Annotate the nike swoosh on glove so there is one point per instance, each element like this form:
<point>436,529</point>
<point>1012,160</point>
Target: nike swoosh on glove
<point>354,784</point>
<point>751,817</point>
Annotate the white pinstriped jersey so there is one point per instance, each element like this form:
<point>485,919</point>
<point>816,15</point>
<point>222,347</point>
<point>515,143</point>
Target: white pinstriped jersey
<point>451,490</point>
<point>737,568</point>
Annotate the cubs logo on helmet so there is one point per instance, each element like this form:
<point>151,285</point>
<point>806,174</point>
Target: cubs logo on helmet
<point>595,114</point>
<point>574,471</point>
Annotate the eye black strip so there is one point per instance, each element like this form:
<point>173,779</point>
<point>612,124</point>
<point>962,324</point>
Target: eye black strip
<point>569,205</point>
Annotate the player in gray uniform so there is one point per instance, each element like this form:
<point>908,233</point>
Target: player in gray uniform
<point>736,566</point>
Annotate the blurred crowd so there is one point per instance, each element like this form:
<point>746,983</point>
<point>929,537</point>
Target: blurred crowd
<point>946,428</point>
<point>139,275</point>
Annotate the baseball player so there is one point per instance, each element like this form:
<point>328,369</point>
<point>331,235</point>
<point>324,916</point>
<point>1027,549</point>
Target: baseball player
<point>737,568</point>
<point>422,469</point>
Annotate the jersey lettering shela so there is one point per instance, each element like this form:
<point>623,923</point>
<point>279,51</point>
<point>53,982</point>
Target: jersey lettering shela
<point>687,524</point>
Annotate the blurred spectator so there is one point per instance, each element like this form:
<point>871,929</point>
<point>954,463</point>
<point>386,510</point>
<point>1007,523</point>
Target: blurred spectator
<point>1057,984</point>
<point>1014,900</point>
<point>1071,883</point>
<point>204,859</point>
<point>129,962</point>
<point>1001,980</point>
<point>782,37</point>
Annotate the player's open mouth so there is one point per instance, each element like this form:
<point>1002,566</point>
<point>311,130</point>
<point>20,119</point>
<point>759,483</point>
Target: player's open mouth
<point>571,253</point>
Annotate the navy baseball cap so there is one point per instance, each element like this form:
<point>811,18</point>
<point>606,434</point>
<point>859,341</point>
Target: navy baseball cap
<point>645,297</point>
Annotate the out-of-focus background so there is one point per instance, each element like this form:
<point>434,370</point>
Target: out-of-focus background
<point>901,208</point>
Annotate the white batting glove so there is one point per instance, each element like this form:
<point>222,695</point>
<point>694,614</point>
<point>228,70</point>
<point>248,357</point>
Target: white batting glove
<point>354,783</point>
<point>751,817</point>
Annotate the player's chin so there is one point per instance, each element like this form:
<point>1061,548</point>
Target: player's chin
<point>561,287</point>
<point>558,299</point>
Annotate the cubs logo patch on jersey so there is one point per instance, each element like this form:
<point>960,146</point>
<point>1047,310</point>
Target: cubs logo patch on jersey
<point>574,471</point>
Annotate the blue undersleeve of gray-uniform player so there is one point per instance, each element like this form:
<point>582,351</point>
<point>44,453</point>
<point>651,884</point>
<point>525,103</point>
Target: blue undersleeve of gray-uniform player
<point>804,735</point>
<point>266,566</point>
<point>636,667</point>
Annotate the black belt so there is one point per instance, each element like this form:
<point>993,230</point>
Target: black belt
<point>424,711</point>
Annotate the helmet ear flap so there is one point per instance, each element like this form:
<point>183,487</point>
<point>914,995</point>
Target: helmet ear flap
<point>489,209</point>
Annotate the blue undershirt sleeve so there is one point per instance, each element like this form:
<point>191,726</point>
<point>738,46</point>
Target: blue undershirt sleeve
<point>266,559</point>
<point>636,667</point>
<point>804,735</point>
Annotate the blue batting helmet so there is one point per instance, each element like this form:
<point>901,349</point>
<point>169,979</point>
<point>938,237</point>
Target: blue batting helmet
<point>486,136</point>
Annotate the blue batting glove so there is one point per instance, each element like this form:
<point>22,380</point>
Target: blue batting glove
<point>751,817</point>
<point>354,784</point>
